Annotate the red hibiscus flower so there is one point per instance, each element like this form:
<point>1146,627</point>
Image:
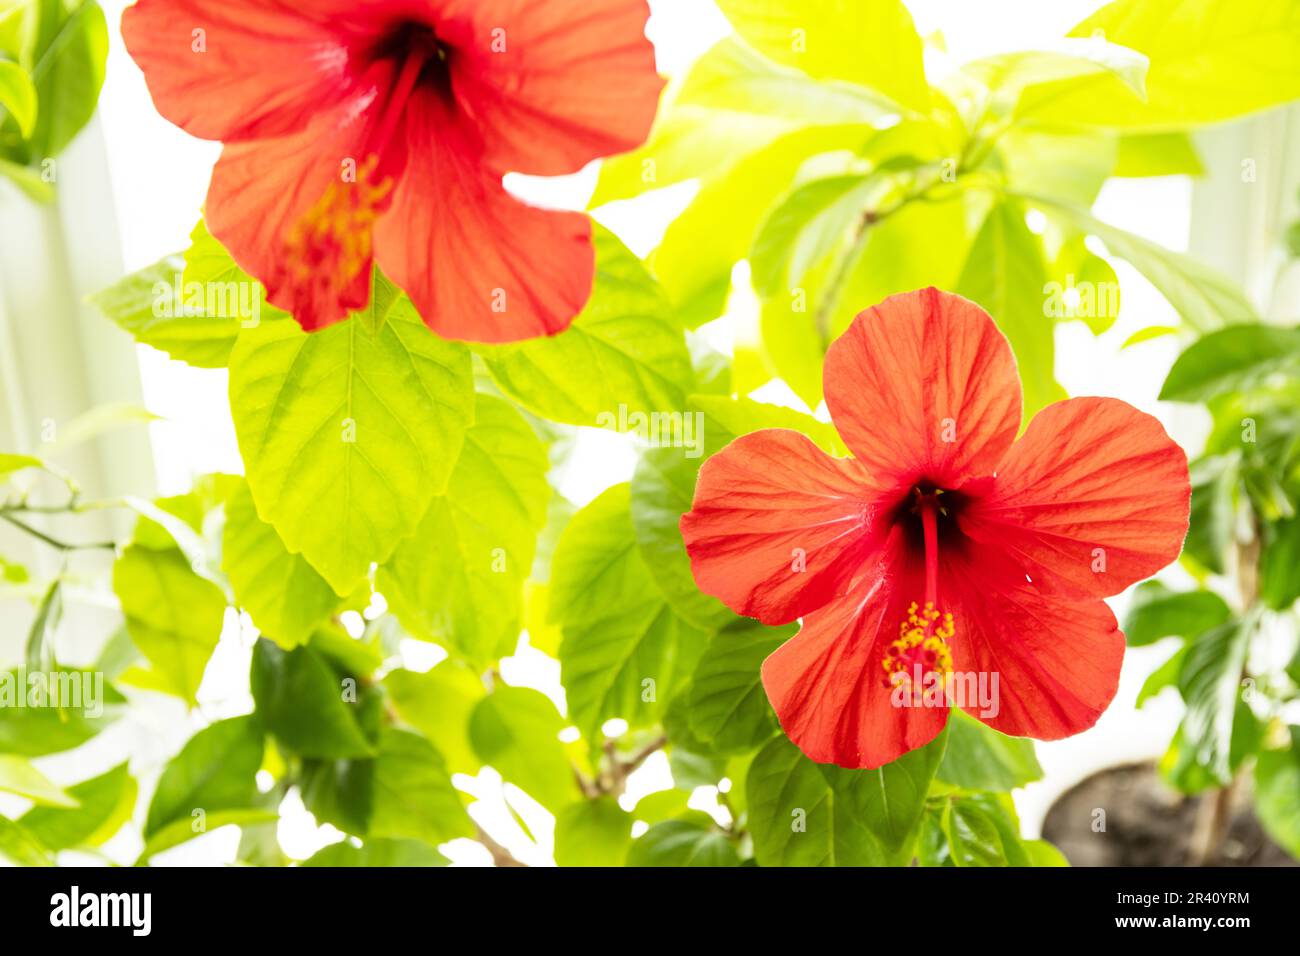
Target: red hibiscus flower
<point>946,555</point>
<point>379,130</point>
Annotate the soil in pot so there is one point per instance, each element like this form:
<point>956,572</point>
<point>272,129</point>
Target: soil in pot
<point>1147,823</point>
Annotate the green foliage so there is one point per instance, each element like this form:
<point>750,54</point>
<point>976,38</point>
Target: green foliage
<point>52,56</point>
<point>406,487</point>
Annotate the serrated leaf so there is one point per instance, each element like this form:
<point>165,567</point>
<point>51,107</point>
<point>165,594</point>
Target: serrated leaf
<point>459,579</point>
<point>727,705</point>
<point>623,350</point>
<point>137,303</point>
<point>283,594</point>
<point>624,650</point>
<point>807,814</point>
<point>348,436</point>
<point>413,794</point>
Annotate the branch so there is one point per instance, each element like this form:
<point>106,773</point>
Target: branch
<point>500,855</point>
<point>55,542</point>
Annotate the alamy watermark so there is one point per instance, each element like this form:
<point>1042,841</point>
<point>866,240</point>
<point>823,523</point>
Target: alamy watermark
<point>219,300</point>
<point>54,690</point>
<point>659,429</point>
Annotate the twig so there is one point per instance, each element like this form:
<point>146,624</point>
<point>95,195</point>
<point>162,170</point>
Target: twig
<point>500,855</point>
<point>55,542</point>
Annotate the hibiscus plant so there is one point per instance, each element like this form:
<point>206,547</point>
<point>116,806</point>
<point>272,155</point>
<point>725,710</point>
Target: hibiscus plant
<point>774,608</point>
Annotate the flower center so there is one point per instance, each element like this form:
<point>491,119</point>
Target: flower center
<point>331,243</point>
<point>921,648</point>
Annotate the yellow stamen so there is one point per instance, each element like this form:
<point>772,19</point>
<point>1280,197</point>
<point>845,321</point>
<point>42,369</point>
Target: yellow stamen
<point>332,243</point>
<point>921,646</point>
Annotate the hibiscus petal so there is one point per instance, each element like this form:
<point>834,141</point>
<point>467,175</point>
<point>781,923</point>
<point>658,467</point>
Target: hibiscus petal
<point>778,527</point>
<point>261,190</point>
<point>1056,660</point>
<point>923,387</point>
<point>1092,498</point>
<point>827,685</point>
<point>257,69</point>
<point>553,85</point>
<point>479,264</point>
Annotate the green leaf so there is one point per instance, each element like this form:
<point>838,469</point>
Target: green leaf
<point>973,837</point>
<point>347,437</point>
<point>413,794</point>
<point>10,463</point>
<point>18,776</point>
<point>732,75</point>
<point>1005,274</point>
<point>807,814</point>
<point>1279,585</point>
<point>623,350</point>
<point>870,44</point>
<point>592,833</point>
<point>1204,298</point>
<point>459,579</point>
<point>1042,853</point>
<point>105,803</point>
<point>438,704</point>
<point>1210,681</point>
<point>1007,75</point>
<point>981,758</point>
<point>215,770</point>
<point>68,71</point>
<point>624,651</point>
<point>702,245</point>
<point>32,182</point>
<point>174,616</point>
<point>34,731</point>
<point>21,847</point>
<point>516,730</point>
<point>1277,793</point>
<point>1158,612</point>
<point>1210,61</point>
<point>1232,359</point>
<point>804,228</point>
<point>727,705</point>
<point>690,842</point>
<point>310,708</point>
<point>183,830</point>
<point>283,594</point>
<point>686,142</point>
<point>139,304</point>
<point>1166,675</point>
<point>1158,154</point>
<point>18,96</point>
<point>377,853</point>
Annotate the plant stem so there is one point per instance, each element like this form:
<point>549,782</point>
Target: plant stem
<point>1214,815</point>
<point>500,855</point>
<point>55,542</point>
